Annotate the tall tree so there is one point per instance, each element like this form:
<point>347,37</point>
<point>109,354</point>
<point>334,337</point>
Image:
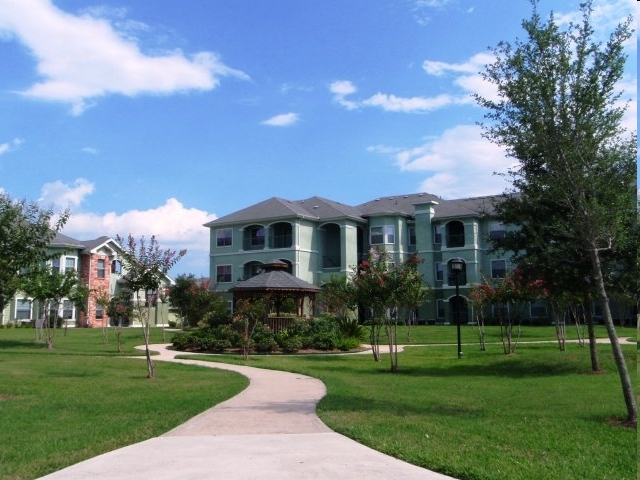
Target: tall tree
<point>145,266</point>
<point>558,112</point>
<point>25,233</point>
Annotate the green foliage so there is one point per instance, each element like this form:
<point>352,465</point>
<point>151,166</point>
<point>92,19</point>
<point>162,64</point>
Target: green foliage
<point>558,113</point>
<point>26,231</point>
<point>325,333</point>
<point>197,303</point>
<point>263,339</point>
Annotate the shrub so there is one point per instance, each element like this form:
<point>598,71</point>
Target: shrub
<point>264,339</point>
<point>349,343</point>
<point>325,333</point>
<point>290,344</point>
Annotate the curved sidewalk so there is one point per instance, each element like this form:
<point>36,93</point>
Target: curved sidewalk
<point>268,431</point>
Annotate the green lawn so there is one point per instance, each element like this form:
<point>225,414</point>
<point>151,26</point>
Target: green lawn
<point>539,414</point>
<point>78,400</point>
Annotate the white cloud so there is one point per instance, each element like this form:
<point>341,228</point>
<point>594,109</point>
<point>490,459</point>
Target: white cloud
<point>90,150</point>
<point>10,146</point>
<point>174,225</point>
<point>393,103</point>
<point>460,163</point>
<point>283,120</point>
<point>63,196</point>
<point>342,88</point>
<point>83,57</point>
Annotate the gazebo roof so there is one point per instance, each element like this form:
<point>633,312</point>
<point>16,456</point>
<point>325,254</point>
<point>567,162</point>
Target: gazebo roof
<point>275,279</point>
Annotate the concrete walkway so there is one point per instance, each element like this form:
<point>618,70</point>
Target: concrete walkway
<point>268,431</point>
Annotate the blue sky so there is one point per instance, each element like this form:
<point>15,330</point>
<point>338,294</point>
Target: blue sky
<point>154,117</point>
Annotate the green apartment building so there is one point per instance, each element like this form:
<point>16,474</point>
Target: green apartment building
<point>318,238</point>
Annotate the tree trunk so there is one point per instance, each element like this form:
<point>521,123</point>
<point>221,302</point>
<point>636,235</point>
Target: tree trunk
<point>591,330</point>
<point>625,379</point>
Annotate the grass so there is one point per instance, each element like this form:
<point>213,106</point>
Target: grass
<point>539,414</point>
<point>79,400</point>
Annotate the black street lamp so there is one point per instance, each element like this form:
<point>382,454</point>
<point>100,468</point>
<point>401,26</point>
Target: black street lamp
<point>457,265</point>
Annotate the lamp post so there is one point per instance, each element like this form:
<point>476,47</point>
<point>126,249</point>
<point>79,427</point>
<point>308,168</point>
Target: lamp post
<point>457,265</point>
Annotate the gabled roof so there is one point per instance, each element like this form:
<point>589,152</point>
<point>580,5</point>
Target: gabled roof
<point>466,207</point>
<point>270,209</point>
<point>321,209</point>
<point>324,209</point>
<point>396,205</point>
<point>62,241</point>
<point>315,208</point>
<point>92,245</point>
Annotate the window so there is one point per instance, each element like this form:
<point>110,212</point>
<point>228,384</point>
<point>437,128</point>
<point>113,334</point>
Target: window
<point>440,309</point>
<point>282,236</point>
<point>498,268</point>
<point>101,268</point>
<point>411,234</point>
<point>23,309</point>
<point>385,234</point>
<point>257,237</point>
<point>116,267</point>
<point>437,234</point>
<point>496,230</point>
<point>223,273</point>
<point>70,264</point>
<point>99,312</point>
<point>224,237</point>
<point>439,272</point>
<point>55,265</point>
<point>455,234</point>
<point>67,309</point>
<point>538,309</point>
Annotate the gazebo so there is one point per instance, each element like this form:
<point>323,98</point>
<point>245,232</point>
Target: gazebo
<point>274,285</point>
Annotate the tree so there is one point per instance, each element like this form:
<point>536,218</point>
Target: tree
<point>120,310</point>
<point>558,114</point>
<point>196,302</point>
<point>383,288</point>
<point>25,233</point>
<point>145,266</point>
<point>506,294</point>
<point>246,316</point>
<point>49,288</point>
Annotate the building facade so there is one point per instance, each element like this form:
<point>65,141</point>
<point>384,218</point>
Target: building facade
<point>98,266</point>
<point>318,238</point>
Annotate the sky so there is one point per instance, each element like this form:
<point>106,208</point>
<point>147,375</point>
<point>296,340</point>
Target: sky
<point>154,117</point>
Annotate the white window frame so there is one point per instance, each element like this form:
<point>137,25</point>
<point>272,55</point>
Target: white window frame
<point>387,235</point>
<point>68,268</point>
<point>218,274</point>
<point>101,272</point>
<point>221,238</point>
<point>493,270</point>
<point>20,302</point>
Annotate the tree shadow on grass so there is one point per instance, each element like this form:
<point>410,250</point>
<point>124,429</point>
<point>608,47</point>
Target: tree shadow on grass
<point>514,368</point>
